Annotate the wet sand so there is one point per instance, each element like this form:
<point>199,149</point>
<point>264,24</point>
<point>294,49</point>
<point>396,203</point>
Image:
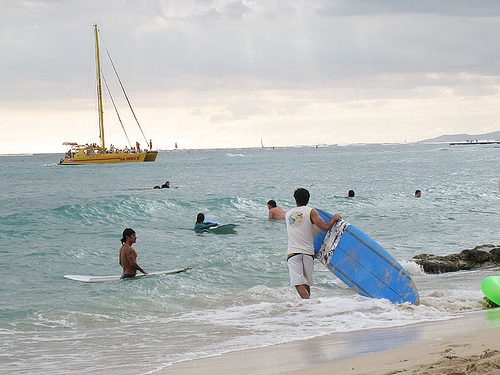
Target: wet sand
<point>468,344</point>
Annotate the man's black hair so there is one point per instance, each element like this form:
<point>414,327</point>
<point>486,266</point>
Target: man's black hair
<point>127,233</point>
<point>272,203</point>
<point>301,196</point>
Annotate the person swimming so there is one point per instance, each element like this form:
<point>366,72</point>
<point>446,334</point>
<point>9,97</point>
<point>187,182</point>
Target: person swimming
<point>200,224</point>
<point>166,185</point>
<point>275,212</point>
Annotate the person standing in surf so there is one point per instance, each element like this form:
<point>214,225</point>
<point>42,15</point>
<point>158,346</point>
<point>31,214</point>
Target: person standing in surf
<point>128,256</point>
<point>300,223</point>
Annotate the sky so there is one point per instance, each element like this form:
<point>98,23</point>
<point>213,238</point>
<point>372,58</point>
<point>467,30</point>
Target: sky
<point>241,73</point>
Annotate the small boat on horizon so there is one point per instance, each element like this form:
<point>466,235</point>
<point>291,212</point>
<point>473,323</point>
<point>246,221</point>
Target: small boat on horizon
<point>98,153</point>
<point>474,142</point>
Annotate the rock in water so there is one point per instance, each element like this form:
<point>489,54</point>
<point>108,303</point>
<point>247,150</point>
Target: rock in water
<point>480,256</point>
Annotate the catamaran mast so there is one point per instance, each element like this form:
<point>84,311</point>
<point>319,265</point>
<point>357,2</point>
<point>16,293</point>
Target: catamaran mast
<point>99,90</point>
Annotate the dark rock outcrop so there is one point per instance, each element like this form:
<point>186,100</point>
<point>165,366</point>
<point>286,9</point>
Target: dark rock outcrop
<point>480,256</point>
<point>489,304</point>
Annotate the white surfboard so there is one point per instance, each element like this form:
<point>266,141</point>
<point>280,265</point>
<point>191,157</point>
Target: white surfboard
<point>223,227</point>
<point>100,279</point>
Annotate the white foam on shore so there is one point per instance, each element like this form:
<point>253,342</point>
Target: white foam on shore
<point>266,323</point>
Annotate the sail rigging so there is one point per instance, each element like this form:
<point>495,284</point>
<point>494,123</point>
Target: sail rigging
<point>94,154</point>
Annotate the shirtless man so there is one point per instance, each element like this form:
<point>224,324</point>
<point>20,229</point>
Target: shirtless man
<point>274,211</point>
<point>128,256</point>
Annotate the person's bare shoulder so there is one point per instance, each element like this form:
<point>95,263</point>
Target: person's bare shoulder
<point>276,213</point>
<point>129,250</point>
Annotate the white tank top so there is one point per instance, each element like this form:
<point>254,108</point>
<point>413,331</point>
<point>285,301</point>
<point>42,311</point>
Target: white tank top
<point>300,230</point>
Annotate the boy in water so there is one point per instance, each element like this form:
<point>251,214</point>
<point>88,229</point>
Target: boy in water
<point>128,256</point>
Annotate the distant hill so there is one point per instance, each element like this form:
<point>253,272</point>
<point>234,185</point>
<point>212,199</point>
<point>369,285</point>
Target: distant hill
<point>495,136</point>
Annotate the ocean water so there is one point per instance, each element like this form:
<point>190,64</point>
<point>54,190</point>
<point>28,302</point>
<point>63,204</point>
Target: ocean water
<point>57,220</point>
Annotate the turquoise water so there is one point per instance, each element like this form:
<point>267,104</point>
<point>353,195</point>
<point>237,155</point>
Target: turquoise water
<point>57,220</point>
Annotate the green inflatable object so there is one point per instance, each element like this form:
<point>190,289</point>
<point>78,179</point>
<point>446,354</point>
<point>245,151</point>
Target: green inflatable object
<point>491,288</point>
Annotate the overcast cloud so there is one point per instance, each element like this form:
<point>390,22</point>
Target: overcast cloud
<point>228,73</point>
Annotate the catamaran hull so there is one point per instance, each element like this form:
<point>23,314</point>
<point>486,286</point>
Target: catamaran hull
<point>110,158</point>
<point>151,156</point>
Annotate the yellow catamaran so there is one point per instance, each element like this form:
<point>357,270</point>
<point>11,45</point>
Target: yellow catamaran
<point>99,154</point>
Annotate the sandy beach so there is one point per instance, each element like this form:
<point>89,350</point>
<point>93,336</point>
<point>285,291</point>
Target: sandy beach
<point>467,344</point>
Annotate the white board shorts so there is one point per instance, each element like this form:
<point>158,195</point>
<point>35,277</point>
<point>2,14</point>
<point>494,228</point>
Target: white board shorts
<point>301,268</point>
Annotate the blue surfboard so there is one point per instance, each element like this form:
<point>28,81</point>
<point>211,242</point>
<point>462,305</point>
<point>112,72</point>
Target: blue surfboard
<point>363,264</point>
<point>220,228</point>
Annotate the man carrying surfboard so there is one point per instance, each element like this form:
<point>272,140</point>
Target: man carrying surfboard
<point>128,256</point>
<point>300,222</point>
